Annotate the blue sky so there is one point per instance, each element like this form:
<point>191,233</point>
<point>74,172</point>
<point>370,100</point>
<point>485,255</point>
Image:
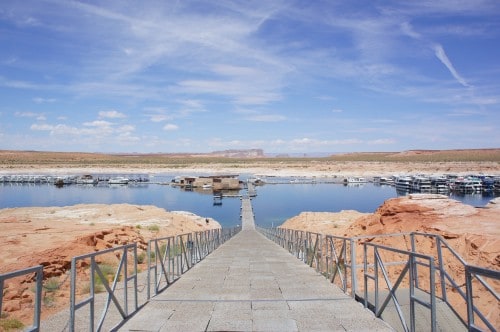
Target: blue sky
<point>285,76</point>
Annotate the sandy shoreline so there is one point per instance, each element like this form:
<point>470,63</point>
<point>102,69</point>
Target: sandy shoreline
<point>310,169</point>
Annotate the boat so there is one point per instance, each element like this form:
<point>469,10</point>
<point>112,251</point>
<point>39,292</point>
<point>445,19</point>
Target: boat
<point>497,184</point>
<point>118,180</point>
<point>403,183</point>
<point>440,184</point>
<point>206,186</point>
<point>381,180</point>
<point>468,185</point>
<point>86,179</point>
<point>421,184</point>
<point>488,184</point>
<point>355,180</point>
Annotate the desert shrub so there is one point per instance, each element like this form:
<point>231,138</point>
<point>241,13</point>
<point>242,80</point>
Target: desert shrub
<point>8,324</point>
<point>48,300</point>
<point>109,273</point>
<point>154,228</point>
<point>141,257</point>
<point>52,284</point>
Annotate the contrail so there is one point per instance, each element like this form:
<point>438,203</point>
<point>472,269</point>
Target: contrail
<point>441,55</point>
<point>407,29</point>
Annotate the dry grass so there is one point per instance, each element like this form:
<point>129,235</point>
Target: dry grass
<point>62,159</point>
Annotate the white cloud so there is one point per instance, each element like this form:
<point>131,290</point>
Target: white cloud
<point>38,116</point>
<point>126,128</point>
<point>98,123</point>
<point>27,114</point>
<point>59,129</point>
<point>170,127</point>
<point>40,100</point>
<point>157,114</point>
<point>113,114</point>
<point>381,141</point>
<point>266,118</point>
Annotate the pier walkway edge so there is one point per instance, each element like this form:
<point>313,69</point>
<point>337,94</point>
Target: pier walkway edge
<point>252,284</point>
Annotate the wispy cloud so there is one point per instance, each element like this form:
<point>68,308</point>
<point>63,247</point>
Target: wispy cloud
<point>175,65</point>
<point>113,114</point>
<point>157,114</point>
<point>40,100</point>
<point>266,118</point>
<point>38,116</point>
<point>170,127</point>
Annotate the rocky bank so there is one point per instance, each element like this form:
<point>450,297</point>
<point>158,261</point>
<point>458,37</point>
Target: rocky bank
<point>474,233</point>
<point>52,236</point>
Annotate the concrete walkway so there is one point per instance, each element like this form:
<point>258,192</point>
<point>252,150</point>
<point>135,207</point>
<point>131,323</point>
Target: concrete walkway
<point>252,284</point>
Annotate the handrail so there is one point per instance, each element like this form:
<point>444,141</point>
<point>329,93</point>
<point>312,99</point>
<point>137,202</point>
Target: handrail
<point>410,269</point>
<point>97,273</point>
<point>338,259</point>
<point>38,271</point>
<point>170,257</point>
<point>475,271</point>
<point>182,252</point>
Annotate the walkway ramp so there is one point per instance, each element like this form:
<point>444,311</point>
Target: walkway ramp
<point>252,284</point>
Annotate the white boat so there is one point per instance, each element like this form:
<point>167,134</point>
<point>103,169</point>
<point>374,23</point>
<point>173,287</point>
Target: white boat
<point>380,180</point>
<point>403,183</point>
<point>440,184</point>
<point>86,179</point>
<point>468,185</point>
<point>421,184</point>
<point>354,180</point>
<point>206,186</point>
<point>118,180</point>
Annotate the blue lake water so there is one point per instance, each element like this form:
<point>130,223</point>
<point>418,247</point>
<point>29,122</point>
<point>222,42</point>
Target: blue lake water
<point>273,205</point>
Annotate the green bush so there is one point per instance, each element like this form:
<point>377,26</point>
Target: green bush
<point>141,257</point>
<point>8,324</point>
<point>154,228</point>
<point>52,284</point>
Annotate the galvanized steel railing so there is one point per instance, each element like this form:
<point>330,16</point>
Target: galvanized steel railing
<point>375,269</point>
<point>38,271</point>
<point>479,273</point>
<point>170,257</point>
<point>344,261</point>
<point>97,276</point>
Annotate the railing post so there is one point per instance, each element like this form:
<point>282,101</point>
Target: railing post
<point>354,270</point>
<point>38,298</point>
<point>442,272</point>
<point>413,249</point>
<point>413,278</point>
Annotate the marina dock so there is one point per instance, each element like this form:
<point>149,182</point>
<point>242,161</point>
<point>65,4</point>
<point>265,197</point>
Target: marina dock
<point>252,284</point>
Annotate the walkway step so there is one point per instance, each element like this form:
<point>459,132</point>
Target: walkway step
<point>252,284</point>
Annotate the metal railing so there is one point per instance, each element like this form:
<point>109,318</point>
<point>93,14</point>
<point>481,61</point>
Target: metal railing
<point>170,257</point>
<point>38,271</point>
<point>98,276</point>
<point>376,270</point>
<point>343,261</point>
<point>479,273</point>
